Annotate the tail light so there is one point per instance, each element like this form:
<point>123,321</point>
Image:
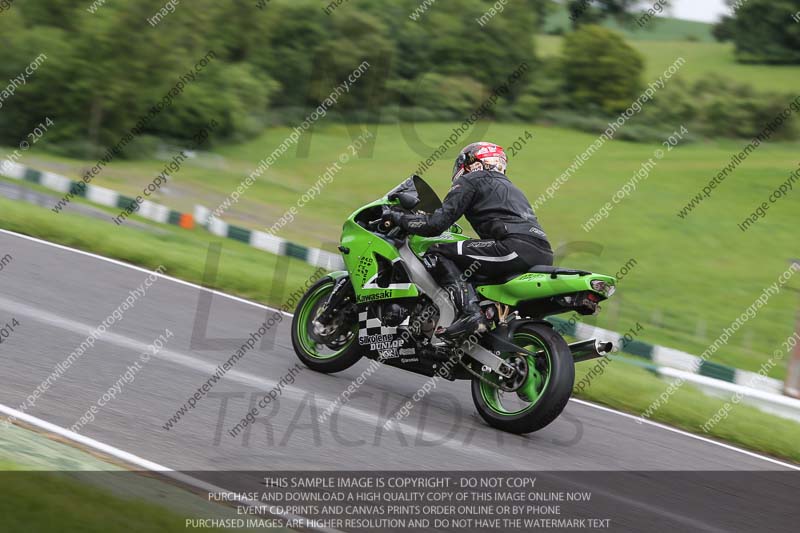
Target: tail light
<point>602,287</point>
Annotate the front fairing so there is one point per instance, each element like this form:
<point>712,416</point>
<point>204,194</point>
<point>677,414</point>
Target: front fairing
<point>428,199</point>
<point>369,253</point>
<point>428,202</point>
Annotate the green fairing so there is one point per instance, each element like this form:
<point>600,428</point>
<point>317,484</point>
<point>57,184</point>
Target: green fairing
<point>364,246</point>
<point>534,286</point>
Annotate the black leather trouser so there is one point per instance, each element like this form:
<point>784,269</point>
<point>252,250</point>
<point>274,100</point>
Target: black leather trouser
<point>487,259</point>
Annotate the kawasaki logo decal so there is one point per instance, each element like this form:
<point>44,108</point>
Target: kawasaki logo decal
<point>373,297</point>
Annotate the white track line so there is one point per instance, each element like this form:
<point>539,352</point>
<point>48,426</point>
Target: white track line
<point>685,433</point>
<point>262,306</point>
<point>140,269</point>
<point>289,391</point>
<point>135,460</point>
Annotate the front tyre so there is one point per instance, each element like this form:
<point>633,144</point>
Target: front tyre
<point>546,388</point>
<point>340,350</point>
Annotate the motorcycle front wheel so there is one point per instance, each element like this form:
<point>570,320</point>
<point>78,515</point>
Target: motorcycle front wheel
<point>337,353</point>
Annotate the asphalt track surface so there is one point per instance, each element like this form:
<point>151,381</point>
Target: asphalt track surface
<point>60,295</point>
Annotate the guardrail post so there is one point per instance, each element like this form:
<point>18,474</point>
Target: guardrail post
<point>792,385</point>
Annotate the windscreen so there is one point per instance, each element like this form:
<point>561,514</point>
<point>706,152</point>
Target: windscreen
<point>428,199</point>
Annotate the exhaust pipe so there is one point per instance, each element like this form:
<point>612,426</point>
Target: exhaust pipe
<point>590,349</point>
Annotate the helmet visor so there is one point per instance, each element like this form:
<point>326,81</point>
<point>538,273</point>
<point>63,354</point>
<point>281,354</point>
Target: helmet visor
<point>458,167</point>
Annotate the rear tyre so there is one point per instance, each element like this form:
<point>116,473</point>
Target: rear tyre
<point>341,350</point>
<point>544,392</point>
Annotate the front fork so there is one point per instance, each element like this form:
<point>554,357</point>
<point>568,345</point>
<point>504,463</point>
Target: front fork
<point>324,323</point>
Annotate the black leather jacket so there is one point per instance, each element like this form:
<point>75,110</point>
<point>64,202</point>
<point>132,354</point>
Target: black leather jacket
<point>493,205</point>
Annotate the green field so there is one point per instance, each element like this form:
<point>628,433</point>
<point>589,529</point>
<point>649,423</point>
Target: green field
<point>664,39</point>
<point>658,29</point>
<point>693,277</point>
<point>702,59</point>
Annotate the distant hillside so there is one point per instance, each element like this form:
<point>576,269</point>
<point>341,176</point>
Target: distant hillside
<point>664,39</point>
<point>659,29</point>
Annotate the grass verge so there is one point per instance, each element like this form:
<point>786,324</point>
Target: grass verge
<point>243,270</point>
<point>49,501</point>
<point>632,389</point>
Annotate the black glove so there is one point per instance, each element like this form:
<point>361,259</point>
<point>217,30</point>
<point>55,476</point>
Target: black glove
<point>392,218</point>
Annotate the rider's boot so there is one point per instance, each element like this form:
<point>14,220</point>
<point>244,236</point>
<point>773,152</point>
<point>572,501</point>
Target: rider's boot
<point>470,319</point>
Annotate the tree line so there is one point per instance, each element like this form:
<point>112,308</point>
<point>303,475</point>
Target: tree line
<point>272,63</point>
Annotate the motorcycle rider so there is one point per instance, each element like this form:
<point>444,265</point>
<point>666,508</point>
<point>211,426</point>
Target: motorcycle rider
<point>511,239</point>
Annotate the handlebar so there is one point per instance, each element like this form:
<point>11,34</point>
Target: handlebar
<point>384,227</point>
<point>376,224</point>
<point>394,232</point>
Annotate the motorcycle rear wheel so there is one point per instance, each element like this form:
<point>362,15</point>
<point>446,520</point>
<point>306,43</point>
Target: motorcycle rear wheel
<point>544,392</point>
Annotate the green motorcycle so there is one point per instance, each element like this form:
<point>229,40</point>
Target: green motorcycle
<point>387,307</point>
